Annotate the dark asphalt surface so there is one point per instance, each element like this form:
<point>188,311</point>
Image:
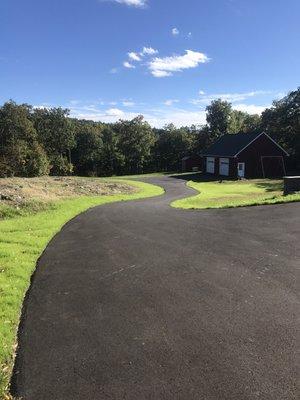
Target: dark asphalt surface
<point>142,301</point>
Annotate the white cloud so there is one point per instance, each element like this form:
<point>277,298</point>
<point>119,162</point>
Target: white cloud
<point>114,112</point>
<point>86,108</point>
<point>128,65</point>
<point>175,32</point>
<point>189,35</point>
<point>162,67</point>
<point>132,3</point>
<point>108,116</point>
<point>231,97</point>
<point>137,57</point>
<point>250,108</point>
<point>160,74</point>
<point>177,117</point>
<point>128,103</point>
<point>148,51</point>
<point>43,106</point>
<point>134,56</point>
<point>171,102</point>
<point>156,117</point>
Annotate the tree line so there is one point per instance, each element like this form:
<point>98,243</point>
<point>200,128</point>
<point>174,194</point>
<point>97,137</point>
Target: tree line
<point>41,141</point>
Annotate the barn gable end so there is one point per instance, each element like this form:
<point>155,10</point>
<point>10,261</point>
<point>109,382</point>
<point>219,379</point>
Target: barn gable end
<point>246,156</point>
<point>263,158</point>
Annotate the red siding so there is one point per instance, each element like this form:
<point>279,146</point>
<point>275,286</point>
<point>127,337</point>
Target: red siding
<point>217,164</point>
<point>191,162</point>
<point>233,168</point>
<point>252,157</point>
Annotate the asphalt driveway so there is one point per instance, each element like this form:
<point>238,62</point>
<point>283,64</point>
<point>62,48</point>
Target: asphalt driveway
<point>142,301</point>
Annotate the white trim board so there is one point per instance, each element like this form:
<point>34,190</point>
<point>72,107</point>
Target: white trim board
<point>263,133</point>
<point>218,156</point>
<point>258,136</point>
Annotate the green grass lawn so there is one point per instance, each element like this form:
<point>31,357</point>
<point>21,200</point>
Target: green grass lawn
<point>225,194</point>
<point>22,240</point>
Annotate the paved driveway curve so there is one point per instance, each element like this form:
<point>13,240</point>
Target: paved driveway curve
<point>142,301</point>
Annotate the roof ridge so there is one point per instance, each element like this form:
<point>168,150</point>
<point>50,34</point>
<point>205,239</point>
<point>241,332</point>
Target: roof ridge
<point>231,147</point>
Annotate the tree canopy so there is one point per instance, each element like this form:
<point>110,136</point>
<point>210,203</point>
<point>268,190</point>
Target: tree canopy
<point>21,153</point>
<point>40,141</point>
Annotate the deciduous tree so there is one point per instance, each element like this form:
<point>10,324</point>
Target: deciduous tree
<point>56,134</point>
<point>20,152</point>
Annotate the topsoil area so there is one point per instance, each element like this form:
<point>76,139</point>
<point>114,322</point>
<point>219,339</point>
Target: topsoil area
<point>18,191</point>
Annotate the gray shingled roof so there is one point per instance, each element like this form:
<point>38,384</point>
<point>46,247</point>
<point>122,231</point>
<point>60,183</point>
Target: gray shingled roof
<point>230,145</point>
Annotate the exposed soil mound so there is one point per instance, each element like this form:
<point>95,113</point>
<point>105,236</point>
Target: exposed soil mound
<point>18,191</point>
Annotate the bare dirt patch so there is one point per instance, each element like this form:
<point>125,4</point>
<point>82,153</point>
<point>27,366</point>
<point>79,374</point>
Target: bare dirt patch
<point>19,191</point>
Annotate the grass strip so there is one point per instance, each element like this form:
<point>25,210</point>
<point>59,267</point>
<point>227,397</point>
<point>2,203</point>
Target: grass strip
<point>228,194</point>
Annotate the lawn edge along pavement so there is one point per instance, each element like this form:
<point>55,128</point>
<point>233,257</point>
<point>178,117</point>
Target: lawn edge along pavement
<point>23,240</point>
<point>267,200</point>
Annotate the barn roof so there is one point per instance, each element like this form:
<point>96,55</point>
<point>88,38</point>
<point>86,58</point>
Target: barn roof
<point>231,144</point>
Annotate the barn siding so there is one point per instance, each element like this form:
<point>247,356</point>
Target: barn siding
<point>233,168</point>
<point>217,166</point>
<point>188,163</point>
<point>252,154</point>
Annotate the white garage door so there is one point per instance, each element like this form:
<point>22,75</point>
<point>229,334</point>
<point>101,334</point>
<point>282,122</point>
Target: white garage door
<point>224,166</point>
<point>210,165</point>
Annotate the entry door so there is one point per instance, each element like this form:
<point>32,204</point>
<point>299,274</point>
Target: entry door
<point>224,166</point>
<point>241,169</point>
<point>210,165</point>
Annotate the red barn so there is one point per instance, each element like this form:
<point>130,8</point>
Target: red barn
<point>245,155</point>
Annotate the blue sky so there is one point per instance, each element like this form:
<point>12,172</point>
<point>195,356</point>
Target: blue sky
<point>166,59</point>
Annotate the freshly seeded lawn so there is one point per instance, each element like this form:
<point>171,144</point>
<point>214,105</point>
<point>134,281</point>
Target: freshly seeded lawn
<point>22,240</point>
<point>225,194</point>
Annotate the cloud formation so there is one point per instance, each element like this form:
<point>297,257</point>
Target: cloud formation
<point>128,65</point>
<point>250,108</point>
<point>175,32</point>
<point>149,51</point>
<point>132,3</point>
<point>170,102</point>
<point>134,56</point>
<point>205,99</point>
<point>162,67</point>
<point>128,103</point>
<point>112,111</point>
<point>156,118</point>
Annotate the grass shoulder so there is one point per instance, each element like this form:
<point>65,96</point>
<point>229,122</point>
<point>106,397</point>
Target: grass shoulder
<point>228,194</point>
<point>23,237</point>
